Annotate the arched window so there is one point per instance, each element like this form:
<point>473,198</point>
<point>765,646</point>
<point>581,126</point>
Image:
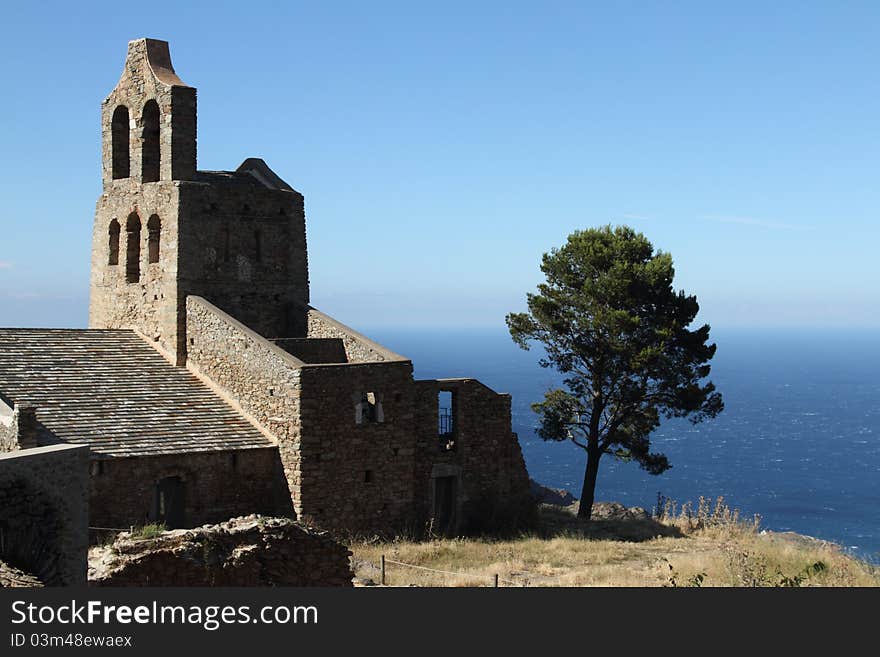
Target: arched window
<point>154,229</point>
<point>119,132</point>
<point>133,249</point>
<point>114,243</point>
<point>368,408</point>
<point>150,155</point>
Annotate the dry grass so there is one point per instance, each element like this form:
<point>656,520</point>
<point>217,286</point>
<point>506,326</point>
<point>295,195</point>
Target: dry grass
<point>708,546</point>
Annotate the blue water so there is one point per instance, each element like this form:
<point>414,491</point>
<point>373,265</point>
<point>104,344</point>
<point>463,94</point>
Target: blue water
<point>798,442</point>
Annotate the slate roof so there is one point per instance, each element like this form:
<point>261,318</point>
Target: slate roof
<point>111,390</point>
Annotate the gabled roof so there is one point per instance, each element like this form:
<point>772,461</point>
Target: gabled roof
<point>111,390</point>
<point>253,171</point>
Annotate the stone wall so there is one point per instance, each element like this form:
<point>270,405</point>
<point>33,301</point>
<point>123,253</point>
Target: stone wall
<point>19,427</point>
<point>314,350</point>
<point>493,484</point>
<point>216,486</point>
<point>249,551</point>
<point>149,304</point>
<point>358,476</point>
<point>8,428</point>
<point>243,248</point>
<point>257,376</point>
<point>341,474</point>
<point>358,348</point>
<point>44,512</point>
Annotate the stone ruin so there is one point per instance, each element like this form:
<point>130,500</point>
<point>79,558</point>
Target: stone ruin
<point>246,551</point>
<point>207,386</point>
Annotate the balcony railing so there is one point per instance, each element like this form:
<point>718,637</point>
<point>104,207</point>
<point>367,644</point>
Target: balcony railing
<point>446,430</point>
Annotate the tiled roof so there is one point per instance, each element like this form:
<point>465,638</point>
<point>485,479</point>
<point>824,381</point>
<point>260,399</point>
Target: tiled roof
<point>111,390</point>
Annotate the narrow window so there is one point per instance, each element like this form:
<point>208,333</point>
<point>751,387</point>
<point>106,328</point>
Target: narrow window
<point>154,230</point>
<point>119,146</point>
<point>133,249</point>
<point>150,155</point>
<point>368,476</point>
<point>226,242</point>
<point>369,409</point>
<point>114,243</point>
<point>258,246</point>
<point>446,417</point>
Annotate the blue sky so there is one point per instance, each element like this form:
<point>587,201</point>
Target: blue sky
<point>442,149</point>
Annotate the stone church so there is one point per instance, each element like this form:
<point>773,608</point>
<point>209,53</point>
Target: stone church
<point>207,387</point>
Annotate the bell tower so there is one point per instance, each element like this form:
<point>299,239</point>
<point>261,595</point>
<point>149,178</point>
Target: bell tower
<point>148,122</point>
<point>164,230</point>
<point>148,137</point>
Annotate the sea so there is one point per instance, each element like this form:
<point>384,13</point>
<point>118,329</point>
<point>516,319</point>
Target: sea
<point>798,442</point>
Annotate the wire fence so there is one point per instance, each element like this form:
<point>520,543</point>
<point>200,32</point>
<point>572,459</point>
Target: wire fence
<point>495,579</point>
<point>113,529</point>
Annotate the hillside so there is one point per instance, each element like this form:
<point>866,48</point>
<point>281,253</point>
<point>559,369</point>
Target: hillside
<point>710,545</point>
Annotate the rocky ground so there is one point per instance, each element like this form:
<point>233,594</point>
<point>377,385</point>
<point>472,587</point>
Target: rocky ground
<point>14,578</point>
<point>247,551</point>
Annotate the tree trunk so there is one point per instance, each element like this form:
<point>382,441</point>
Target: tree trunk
<point>588,492</point>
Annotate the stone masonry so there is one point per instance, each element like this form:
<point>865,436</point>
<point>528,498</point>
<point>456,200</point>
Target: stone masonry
<point>208,387</point>
<point>247,551</point>
<point>44,513</point>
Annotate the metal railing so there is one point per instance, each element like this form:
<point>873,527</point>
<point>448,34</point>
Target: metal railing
<point>446,422</point>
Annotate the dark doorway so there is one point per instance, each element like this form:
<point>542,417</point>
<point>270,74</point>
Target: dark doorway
<point>444,505</point>
<point>169,502</point>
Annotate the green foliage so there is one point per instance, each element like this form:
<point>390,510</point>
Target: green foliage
<point>751,570</point>
<point>809,571</point>
<point>148,531</point>
<point>611,322</point>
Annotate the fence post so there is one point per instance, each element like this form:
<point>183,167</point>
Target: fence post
<point>496,580</point>
<point>382,580</point>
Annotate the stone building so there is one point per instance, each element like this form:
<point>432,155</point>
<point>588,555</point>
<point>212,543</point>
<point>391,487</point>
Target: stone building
<point>207,387</point>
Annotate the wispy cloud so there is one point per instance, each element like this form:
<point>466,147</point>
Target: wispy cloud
<point>761,223</point>
<point>5,264</point>
<point>636,217</point>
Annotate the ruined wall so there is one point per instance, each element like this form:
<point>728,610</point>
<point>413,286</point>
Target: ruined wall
<point>262,379</point>
<point>358,348</point>
<point>249,551</point>
<point>494,482</point>
<point>217,486</point>
<point>44,512</point>
<point>314,350</point>
<point>243,248</point>
<point>19,428</point>
<point>150,303</point>
<point>342,474</point>
<point>357,477</point>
